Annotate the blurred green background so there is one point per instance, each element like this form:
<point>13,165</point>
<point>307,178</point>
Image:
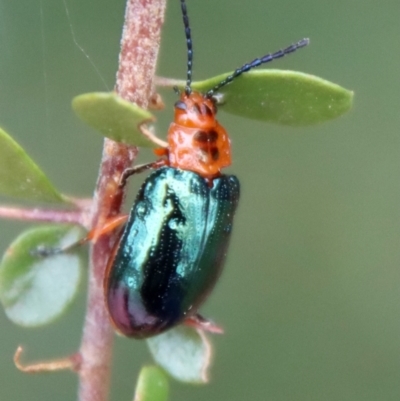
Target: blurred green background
<point>310,296</point>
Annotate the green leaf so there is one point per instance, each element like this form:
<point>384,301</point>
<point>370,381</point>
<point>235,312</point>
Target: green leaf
<point>114,117</point>
<point>152,385</point>
<point>20,177</point>
<point>183,352</point>
<point>282,97</point>
<point>35,290</point>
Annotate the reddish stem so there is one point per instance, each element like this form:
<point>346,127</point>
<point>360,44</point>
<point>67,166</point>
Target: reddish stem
<point>169,82</point>
<point>139,51</point>
<point>71,362</point>
<point>36,214</point>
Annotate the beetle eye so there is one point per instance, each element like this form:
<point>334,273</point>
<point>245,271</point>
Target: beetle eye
<point>180,105</point>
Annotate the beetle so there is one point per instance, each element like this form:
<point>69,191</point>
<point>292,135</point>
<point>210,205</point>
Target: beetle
<point>171,251</point>
<point>173,246</point>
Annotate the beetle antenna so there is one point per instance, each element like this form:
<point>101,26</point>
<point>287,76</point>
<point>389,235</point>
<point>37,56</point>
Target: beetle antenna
<point>257,62</point>
<point>188,88</point>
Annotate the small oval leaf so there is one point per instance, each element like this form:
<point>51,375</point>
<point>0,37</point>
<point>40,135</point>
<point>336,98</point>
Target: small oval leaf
<point>183,352</point>
<point>114,117</point>
<point>35,290</point>
<point>20,177</point>
<point>152,385</point>
<point>281,97</point>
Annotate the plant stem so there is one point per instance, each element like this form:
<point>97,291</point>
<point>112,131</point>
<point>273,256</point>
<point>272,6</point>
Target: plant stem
<point>137,63</point>
<point>36,214</point>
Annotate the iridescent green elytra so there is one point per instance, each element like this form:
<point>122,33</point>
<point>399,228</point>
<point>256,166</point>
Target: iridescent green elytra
<point>171,251</point>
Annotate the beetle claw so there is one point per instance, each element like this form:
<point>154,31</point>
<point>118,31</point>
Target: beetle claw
<point>199,322</point>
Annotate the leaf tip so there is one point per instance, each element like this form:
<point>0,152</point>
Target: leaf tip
<point>152,384</point>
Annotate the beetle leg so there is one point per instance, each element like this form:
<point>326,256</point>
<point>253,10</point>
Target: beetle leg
<point>161,152</point>
<point>139,169</point>
<point>110,225</point>
<point>199,322</point>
